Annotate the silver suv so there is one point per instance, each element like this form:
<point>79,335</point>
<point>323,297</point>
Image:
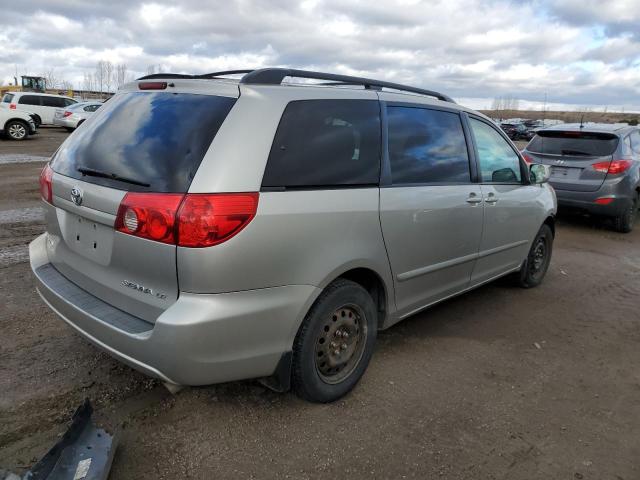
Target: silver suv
<point>203,229</point>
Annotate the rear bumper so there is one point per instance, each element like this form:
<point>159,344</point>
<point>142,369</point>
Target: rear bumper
<point>585,201</point>
<point>199,340</point>
<point>64,122</point>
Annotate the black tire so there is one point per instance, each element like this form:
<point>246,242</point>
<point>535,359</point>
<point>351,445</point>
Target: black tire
<point>624,222</point>
<point>537,262</point>
<point>37,120</point>
<point>343,307</point>
<point>16,130</point>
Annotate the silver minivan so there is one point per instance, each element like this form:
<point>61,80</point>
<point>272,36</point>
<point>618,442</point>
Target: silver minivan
<point>204,229</point>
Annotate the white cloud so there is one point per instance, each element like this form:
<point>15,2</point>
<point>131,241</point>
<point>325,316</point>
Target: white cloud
<point>575,51</point>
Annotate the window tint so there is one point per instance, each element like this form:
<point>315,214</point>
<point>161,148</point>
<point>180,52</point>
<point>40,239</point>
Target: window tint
<point>635,141</point>
<point>69,101</point>
<point>573,143</point>
<point>29,100</point>
<point>91,108</point>
<point>54,102</point>
<point>7,98</point>
<point>426,146</point>
<point>325,143</point>
<point>157,139</point>
<point>498,162</point>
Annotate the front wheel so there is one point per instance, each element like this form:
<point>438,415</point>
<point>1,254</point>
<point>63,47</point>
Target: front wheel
<point>335,342</point>
<point>16,130</point>
<point>537,262</point>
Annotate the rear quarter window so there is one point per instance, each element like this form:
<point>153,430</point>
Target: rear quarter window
<point>574,143</point>
<point>155,139</point>
<point>29,100</point>
<point>7,98</point>
<point>324,143</point>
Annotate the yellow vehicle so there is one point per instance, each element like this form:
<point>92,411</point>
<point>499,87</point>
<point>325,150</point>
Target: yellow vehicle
<point>32,84</point>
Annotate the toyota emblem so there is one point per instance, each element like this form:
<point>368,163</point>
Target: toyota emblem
<point>76,196</point>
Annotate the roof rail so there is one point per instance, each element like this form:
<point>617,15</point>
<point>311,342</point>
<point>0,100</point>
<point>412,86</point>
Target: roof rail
<point>164,75</point>
<point>187,76</point>
<point>224,72</point>
<point>274,76</point>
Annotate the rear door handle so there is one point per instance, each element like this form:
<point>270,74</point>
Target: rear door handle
<point>491,198</point>
<point>474,198</point>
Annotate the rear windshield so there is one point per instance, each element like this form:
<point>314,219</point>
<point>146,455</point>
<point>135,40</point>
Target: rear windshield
<point>144,141</point>
<point>573,143</point>
<point>7,98</point>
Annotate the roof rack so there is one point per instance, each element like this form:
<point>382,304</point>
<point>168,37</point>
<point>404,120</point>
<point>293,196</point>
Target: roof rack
<point>274,76</point>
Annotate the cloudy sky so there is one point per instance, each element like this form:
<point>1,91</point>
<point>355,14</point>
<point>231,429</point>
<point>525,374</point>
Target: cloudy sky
<point>577,52</point>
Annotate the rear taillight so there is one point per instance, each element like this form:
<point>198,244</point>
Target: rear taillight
<point>67,114</point>
<point>527,159</point>
<point>192,220</point>
<point>209,219</point>
<point>46,189</point>
<point>12,106</point>
<point>614,167</point>
<point>149,215</point>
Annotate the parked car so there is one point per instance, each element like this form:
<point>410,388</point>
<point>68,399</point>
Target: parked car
<point>198,257</point>
<point>42,105</point>
<point>517,131</point>
<point>16,124</point>
<point>72,117</point>
<point>595,168</point>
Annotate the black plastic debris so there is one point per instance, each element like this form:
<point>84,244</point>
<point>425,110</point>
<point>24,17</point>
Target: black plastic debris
<point>83,453</point>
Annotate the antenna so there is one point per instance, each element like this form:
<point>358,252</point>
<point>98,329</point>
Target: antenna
<point>581,119</point>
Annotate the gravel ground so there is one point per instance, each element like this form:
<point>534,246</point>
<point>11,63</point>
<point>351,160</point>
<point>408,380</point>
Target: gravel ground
<point>501,383</point>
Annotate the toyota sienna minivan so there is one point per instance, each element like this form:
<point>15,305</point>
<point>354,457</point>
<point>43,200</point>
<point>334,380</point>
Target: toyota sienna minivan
<point>205,229</point>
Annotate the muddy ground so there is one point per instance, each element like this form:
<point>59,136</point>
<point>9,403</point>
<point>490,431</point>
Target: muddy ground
<point>501,383</point>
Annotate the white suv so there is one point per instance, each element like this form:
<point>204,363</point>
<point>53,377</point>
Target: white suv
<point>42,105</point>
<point>16,124</point>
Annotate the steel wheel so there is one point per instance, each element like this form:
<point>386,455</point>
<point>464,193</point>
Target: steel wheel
<point>538,256</point>
<point>17,131</point>
<point>340,345</point>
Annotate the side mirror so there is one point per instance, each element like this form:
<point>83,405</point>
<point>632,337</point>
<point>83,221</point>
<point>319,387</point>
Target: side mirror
<point>539,173</point>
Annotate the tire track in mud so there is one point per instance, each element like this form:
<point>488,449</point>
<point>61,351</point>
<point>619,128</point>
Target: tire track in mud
<point>21,158</point>
<point>11,222</point>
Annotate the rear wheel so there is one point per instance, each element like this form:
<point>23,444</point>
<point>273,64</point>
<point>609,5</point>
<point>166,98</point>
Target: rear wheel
<point>624,222</point>
<point>537,262</point>
<point>16,130</point>
<point>335,342</point>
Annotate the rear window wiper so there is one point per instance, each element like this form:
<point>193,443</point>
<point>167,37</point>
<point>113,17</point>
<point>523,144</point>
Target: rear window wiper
<point>575,152</point>
<point>113,176</point>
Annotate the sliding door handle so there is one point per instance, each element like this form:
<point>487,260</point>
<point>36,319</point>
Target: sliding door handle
<point>491,198</point>
<point>474,198</point>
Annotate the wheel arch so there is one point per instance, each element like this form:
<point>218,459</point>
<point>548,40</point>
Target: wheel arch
<point>550,221</point>
<point>16,119</point>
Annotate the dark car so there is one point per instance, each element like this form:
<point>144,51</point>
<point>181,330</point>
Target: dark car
<point>594,168</point>
<point>517,131</point>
